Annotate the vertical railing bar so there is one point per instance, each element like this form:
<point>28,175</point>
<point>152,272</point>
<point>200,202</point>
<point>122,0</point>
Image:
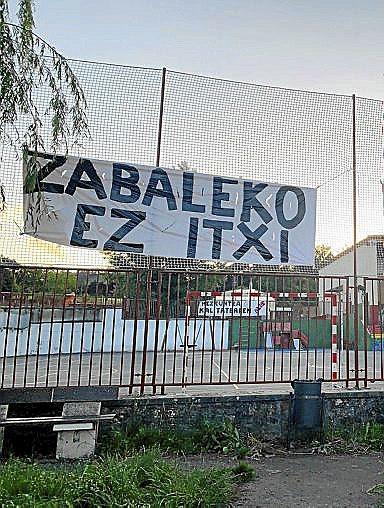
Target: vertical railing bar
<point>316,334</point>
<point>187,313</point>
<point>204,329</point>
<point>63,309</point>
<point>371,285</point>
<point>365,321</point>
<point>259,327</point>
<point>146,329</point>
<point>347,336</point>
<point>85,302</point>
<point>37,363</point>
<point>90,368</point>
<point>17,333</point>
<point>134,338</point>
<point>231,330</point>
<point>156,342</point>
<point>250,285</point>
<point>379,301</point>
<point>53,308</point>
<point>111,356</point>
<point>222,330</point>
<point>103,327</point>
<point>177,309</point>
<point>124,298</point>
<point>197,278</point>
<point>240,329</point>
<point>25,380</point>
<point>212,327</point>
<point>324,338</point>
<point>282,326</point>
<point>69,378</point>
<point>269,326</point>
<point>308,309</point>
<point>168,312</point>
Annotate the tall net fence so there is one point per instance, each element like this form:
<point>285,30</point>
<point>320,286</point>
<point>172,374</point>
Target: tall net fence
<point>214,126</point>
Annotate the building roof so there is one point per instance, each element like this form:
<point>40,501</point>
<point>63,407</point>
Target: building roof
<point>369,240</point>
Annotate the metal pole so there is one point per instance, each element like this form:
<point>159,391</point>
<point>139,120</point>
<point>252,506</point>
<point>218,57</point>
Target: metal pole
<point>354,199</point>
<point>150,264</point>
<point>160,128</point>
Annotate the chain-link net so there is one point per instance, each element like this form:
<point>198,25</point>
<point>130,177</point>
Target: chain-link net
<point>215,126</point>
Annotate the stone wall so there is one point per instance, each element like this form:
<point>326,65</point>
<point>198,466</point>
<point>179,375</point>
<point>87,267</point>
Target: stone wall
<point>353,408</point>
<point>265,415</point>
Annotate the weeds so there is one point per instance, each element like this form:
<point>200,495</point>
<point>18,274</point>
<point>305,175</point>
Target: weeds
<point>378,490</point>
<point>243,472</point>
<point>352,440</point>
<point>209,436</point>
<point>130,471</point>
<point>140,480</point>
<point>219,437</point>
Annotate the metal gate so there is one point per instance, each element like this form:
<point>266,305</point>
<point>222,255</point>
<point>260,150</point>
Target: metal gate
<point>147,330</point>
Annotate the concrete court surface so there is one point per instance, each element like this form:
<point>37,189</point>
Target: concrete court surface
<point>203,372</point>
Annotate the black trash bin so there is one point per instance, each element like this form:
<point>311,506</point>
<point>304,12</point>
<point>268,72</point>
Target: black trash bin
<point>306,409</point>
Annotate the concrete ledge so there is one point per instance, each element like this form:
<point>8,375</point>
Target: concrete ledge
<point>85,393</point>
<point>355,394</point>
<point>59,394</point>
<point>204,399</point>
<point>25,395</point>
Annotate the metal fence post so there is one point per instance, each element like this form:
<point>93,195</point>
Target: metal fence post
<point>161,112</point>
<point>150,264</point>
<point>354,201</point>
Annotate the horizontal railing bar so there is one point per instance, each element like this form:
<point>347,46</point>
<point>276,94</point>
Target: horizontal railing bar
<point>43,420</point>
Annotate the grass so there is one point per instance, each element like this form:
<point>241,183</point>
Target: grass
<point>378,490</point>
<point>130,471</point>
<point>357,439</point>
<point>208,436</point>
<point>244,472</point>
<point>142,480</point>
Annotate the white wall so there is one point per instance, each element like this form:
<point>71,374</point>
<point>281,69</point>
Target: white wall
<point>366,263</point>
<point>112,334</point>
<point>366,266</point>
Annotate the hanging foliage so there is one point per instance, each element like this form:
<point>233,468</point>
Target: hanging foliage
<point>27,64</point>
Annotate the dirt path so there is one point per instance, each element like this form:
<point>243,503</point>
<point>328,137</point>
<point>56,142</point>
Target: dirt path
<point>308,481</point>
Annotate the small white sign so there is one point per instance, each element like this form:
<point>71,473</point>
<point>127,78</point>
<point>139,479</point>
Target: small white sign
<point>232,308</point>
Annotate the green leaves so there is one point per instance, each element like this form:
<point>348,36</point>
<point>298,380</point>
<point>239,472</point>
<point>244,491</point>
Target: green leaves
<point>30,69</point>
<point>28,62</point>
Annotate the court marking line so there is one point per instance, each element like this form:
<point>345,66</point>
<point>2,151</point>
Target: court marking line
<point>224,373</point>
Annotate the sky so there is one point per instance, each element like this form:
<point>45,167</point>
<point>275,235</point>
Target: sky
<point>325,45</point>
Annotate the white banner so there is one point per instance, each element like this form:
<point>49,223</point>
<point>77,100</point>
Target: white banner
<point>169,212</point>
<point>254,307</point>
